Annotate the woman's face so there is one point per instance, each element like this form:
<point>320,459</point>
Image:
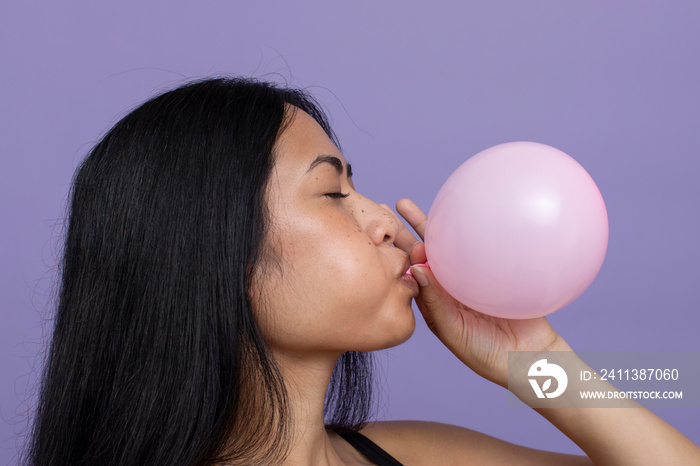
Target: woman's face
<point>340,286</point>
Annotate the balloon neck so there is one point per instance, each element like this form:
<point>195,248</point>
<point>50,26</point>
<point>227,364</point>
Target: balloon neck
<point>424,264</point>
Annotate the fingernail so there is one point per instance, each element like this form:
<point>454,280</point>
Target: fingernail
<point>419,275</point>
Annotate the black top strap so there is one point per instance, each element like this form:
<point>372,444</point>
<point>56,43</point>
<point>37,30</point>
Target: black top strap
<point>369,448</point>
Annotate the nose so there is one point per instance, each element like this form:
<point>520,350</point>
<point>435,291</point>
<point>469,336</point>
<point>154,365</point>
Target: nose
<point>383,227</point>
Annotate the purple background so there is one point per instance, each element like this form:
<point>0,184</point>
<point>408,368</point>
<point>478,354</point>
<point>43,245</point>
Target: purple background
<point>413,91</point>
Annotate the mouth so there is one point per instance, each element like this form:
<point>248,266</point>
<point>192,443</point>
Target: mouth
<point>406,277</point>
<point>409,280</point>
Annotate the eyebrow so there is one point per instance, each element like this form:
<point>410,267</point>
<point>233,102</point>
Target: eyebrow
<point>335,161</point>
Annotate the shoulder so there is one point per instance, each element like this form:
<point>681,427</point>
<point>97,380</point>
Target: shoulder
<point>421,442</point>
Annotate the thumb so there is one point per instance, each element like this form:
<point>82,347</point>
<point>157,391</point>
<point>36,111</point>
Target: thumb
<point>436,305</point>
<point>425,278</point>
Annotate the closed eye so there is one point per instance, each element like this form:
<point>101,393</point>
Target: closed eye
<point>337,195</point>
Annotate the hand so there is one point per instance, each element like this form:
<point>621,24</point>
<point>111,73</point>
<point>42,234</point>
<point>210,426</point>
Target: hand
<point>480,341</point>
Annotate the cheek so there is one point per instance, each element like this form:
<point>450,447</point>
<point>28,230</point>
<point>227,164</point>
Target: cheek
<point>333,278</point>
<point>334,246</point>
<point>341,262</point>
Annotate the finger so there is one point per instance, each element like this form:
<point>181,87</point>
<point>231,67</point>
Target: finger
<point>406,241</point>
<point>413,215</point>
<point>438,308</point>
<point>417,253</point>
<point>404,238</point>
<point>427,316</point>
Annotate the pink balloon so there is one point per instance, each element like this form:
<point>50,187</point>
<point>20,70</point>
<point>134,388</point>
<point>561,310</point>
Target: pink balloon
<point>518,231</point>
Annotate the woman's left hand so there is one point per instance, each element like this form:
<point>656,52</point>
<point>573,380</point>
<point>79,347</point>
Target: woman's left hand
<point>481,341</point>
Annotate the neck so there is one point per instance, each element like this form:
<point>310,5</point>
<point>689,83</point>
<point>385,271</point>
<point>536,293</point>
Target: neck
<point>306,379</point>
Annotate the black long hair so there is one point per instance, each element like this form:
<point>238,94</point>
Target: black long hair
<point>156,357</point>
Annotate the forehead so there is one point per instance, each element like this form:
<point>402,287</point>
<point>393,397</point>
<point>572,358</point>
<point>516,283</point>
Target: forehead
<point>302,140</point>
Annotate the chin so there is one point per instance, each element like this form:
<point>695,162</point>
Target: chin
<point>386,327</point>
<point>400,329</point>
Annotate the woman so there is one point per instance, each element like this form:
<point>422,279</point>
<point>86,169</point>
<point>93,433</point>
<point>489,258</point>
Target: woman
<point>222,282</point>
